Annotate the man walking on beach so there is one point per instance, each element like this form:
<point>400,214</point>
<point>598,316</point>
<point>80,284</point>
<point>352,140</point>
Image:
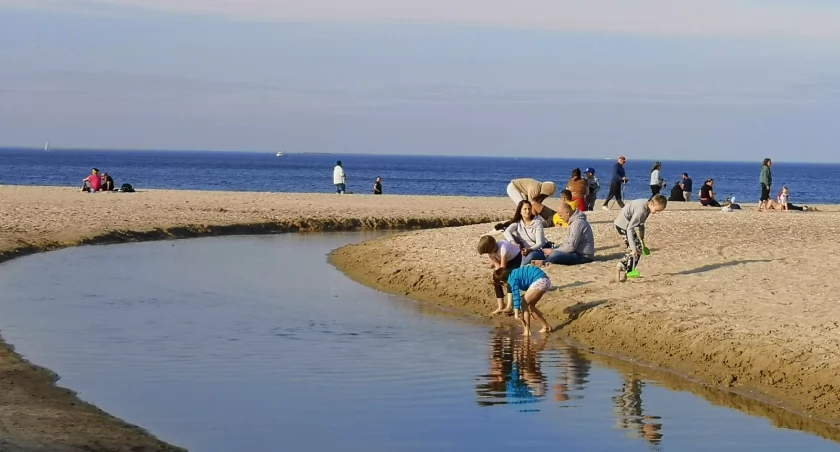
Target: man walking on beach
<point>686,186</point>
<point>339,178</point>
<point>619,177</point>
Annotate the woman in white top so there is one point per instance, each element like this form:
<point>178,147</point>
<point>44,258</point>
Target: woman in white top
<point>527,230</point>
<point>656,180</point>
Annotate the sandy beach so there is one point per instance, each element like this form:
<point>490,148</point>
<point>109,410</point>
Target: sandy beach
<point>743,300</point>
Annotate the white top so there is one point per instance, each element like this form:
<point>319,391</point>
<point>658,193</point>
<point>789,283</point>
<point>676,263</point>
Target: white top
<point>783,198</point>
<point>507,250</point>
<point>656,178</point>
<point>338,175</point>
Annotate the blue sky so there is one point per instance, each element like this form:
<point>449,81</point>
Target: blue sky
<point>730,80</point>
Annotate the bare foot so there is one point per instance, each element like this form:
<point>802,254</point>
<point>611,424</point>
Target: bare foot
<point>537,262</point>
<point>546,329</point>
<point>498,310</point>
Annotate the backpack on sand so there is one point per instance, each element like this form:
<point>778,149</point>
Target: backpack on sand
<point>127,188</point>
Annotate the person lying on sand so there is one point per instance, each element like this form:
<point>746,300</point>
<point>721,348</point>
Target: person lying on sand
<point>579,246</point>
<point>784,202</point>
<point>535,283</point>
<point>503,254</point>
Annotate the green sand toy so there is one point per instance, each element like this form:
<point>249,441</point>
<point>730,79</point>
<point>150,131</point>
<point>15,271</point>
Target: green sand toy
<point>633,274</point>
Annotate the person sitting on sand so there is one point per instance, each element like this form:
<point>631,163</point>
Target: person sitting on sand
<point>633,216</point>
<point>528,232</point>
<point>707,194</point>
<point>92,183</point>
<point>503,254</point>
<point>579,246</point>
<point>594,188</point>
<point>107,182</point>
<point>578,188</point>
<point>535,283</point>
<point>529,189</point>
<point>548,215</point>
<point>784,200</point>
<point>677,193</point>
<point>565,198</point>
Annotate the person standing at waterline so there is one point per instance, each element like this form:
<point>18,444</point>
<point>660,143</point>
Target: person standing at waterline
<point>656,180</point>
<point>766,181</point>
<point>339,178</point>
<point>529,190</point>
<point>618,177</point>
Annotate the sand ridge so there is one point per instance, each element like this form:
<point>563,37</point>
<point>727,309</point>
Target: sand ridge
<point>743,300</point>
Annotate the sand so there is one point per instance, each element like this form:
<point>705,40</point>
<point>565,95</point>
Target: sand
<point>742,300</point>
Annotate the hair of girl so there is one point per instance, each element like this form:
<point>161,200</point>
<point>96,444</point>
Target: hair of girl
<point>487,244</point>
<point>656,166</point>
<point>766,161</point>
<point>576,173</point>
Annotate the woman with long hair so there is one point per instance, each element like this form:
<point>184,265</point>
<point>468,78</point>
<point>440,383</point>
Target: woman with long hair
<point>527,230</point>
<point>656,180</point>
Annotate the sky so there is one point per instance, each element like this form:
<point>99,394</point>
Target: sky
<point>652,79</point>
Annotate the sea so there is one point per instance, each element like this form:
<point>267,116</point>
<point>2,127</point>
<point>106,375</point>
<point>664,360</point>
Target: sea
<point>809,183</point>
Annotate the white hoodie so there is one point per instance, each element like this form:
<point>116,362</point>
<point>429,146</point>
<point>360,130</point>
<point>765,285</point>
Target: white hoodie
<point>338,175</point>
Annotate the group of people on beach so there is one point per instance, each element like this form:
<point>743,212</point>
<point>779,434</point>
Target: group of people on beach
<point>340,181</point>
<point>518,259</point>
<point>96,182</point>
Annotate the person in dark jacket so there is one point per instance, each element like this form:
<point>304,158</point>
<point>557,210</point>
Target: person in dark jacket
<point>619,177</point>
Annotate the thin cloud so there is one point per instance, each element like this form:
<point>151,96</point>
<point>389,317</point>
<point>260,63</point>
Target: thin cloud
<point>737,18</point>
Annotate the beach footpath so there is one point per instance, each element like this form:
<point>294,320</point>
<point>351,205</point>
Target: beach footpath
<point>745,300</point>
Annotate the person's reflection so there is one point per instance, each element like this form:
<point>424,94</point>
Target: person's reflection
<point>573,374</point>
<point>630,414</point>
<point>515,375</point>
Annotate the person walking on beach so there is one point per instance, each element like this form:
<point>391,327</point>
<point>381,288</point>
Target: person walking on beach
<point>377,186</point>
<point>656,180</point>
<point>766,181</point>
<point>503,254</point>
<point>686,184</point>
<point>535,283</point>
<point>339,178</point>
<point>594,187</point>
<point>529,190</point>
<point>633,216</point>
<point>579,187</point>
<point>618,177</point>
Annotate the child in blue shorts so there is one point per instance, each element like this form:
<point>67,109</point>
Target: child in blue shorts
<point>535,283</point>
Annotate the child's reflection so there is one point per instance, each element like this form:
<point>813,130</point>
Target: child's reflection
<point>574,371</point>
<point>630,413</point>
<point>515,375</point>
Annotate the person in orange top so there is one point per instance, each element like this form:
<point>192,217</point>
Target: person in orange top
<point>579,188</point>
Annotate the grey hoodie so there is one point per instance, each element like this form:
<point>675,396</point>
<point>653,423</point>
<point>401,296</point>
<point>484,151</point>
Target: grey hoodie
<point>632,216</point>
<point>580,239</point>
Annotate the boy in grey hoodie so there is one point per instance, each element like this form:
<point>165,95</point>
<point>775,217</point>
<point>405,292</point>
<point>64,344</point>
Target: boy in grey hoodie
<point>633,216</point>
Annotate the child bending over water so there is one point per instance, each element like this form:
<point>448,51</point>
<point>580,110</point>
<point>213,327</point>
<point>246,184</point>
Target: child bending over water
<point>503,254</point>
<point>632,217</point>
<point>535,283</point>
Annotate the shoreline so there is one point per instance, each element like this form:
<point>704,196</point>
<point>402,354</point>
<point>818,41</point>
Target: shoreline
<point>38,219</point>
<point>772,339</point>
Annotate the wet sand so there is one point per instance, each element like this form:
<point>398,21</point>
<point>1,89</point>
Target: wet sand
<point>740,300</point>
<point>746,301</point>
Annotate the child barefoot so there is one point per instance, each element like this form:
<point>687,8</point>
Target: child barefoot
<point>632,216</point>
<point>503,254</point>
<point>535,283</point>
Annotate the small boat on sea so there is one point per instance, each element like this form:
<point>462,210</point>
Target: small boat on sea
<point>280,154</point>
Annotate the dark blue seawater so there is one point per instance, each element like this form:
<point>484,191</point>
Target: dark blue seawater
<point>421,175</point>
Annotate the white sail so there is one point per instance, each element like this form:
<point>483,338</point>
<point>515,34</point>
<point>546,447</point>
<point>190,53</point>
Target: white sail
<point>47,146</point>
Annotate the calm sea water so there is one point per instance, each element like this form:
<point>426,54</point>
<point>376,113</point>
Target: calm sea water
<point>423,175</point>
<point>228,344</point>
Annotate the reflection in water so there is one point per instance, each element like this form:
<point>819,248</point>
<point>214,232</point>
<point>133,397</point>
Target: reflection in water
<point>516,377</point>
<point>630,412</point>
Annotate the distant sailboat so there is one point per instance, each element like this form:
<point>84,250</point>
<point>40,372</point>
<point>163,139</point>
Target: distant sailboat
<point>47,146</point>
<point>280,154</point>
